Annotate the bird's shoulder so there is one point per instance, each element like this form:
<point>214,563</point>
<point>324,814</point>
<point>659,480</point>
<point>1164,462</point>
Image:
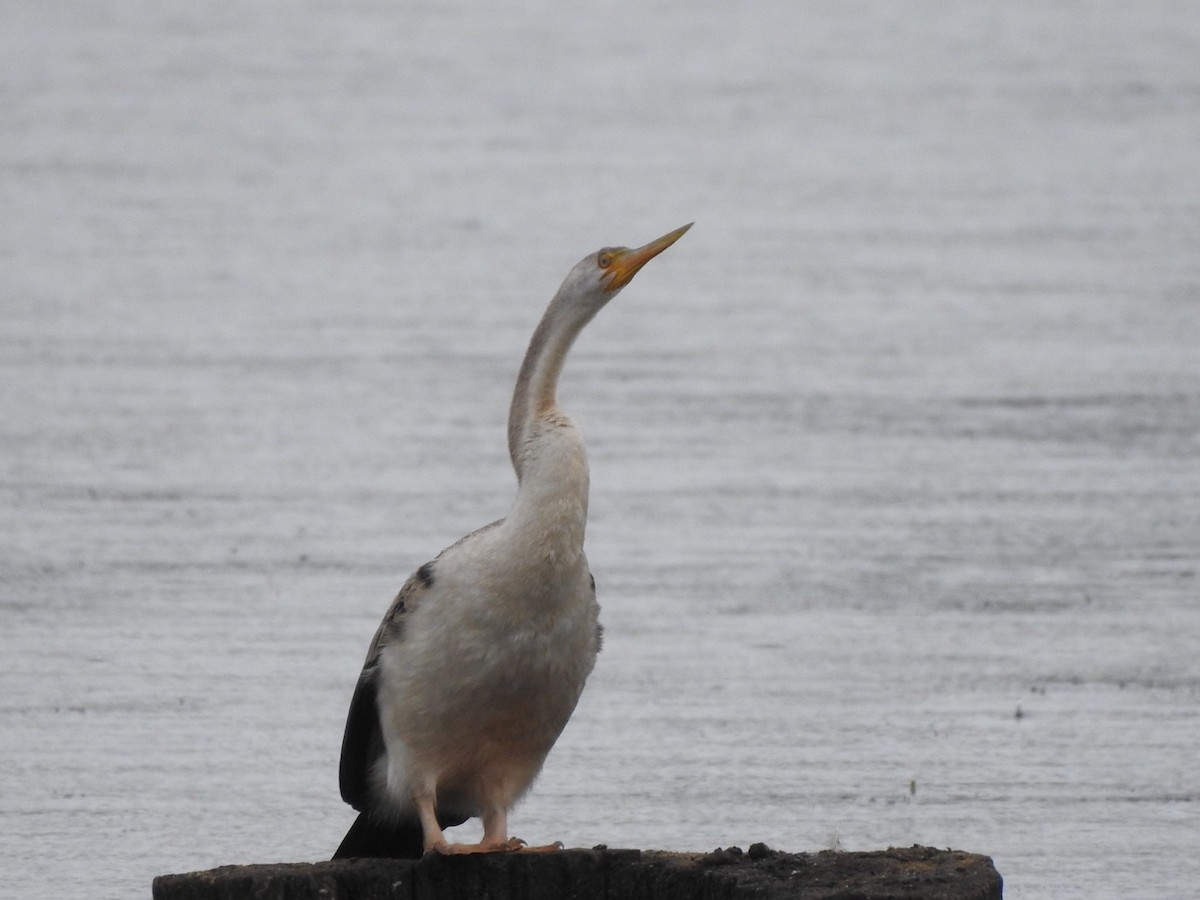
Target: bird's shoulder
<point>407,599</point>
<point>413,593</point>
<point>470,538</point>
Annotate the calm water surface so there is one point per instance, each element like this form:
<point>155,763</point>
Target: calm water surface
<point>896,493</point>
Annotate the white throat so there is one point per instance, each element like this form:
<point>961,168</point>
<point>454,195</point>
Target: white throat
<point>550,511</point>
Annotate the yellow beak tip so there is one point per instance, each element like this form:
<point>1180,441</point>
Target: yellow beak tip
<point>630,262</point>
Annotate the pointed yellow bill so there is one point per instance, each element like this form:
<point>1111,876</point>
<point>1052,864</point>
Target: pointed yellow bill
<point>625,263</point>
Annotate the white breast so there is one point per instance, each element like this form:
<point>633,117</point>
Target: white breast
<point>491,665</point>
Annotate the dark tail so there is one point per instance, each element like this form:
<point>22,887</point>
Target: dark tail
<point>368,838</point>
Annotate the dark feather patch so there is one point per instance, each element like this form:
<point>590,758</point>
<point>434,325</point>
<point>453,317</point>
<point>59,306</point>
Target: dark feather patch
<point>425,575</point>
<point>362,742</point>
<point>370,839</point>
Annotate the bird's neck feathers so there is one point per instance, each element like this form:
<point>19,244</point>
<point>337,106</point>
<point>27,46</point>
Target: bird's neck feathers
<point>535,396</point>
<point>547,451</point>
<point>552,491</point>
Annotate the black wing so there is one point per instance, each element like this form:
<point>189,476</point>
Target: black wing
<point>362,741</point>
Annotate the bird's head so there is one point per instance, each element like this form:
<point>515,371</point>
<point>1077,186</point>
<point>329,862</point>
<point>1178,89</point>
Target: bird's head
<point>600,275</point>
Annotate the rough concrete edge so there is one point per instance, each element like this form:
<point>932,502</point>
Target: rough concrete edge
<point>602,872</point>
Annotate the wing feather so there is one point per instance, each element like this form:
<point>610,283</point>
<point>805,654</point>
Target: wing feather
<point>362,741</point>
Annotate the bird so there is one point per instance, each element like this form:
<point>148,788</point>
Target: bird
<point>483,654</point>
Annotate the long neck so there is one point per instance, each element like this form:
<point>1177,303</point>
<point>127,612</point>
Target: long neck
<point>535,395</point>
<point>547,449</point>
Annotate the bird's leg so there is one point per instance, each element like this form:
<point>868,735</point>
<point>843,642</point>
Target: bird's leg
<point>495,837</point>
<point>431,828</point>
<point>495,831</point>
<point>495,834</point>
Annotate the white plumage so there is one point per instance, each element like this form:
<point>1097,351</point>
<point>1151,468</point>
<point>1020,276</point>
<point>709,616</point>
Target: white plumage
<point>481,658</point>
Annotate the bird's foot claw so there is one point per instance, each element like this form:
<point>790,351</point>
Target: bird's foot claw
<point>507,846</point>
<point>544,848</point>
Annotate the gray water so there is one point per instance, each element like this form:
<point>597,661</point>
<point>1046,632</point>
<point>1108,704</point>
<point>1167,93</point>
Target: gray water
<point>896,501</point>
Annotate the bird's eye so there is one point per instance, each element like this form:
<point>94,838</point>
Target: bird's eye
<point>604,260</point>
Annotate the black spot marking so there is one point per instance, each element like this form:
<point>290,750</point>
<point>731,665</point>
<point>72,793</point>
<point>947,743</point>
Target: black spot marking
<point>592,579</point>
<point>425,575</point>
